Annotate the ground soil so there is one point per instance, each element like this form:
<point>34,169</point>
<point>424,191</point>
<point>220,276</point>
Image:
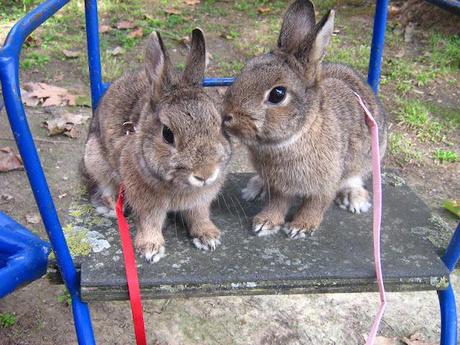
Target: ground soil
<point>312,319</point>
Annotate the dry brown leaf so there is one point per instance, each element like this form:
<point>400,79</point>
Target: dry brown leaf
<point>264,10</point>
<point>9,160</point>
<point>125,25</point>
<point>33,218</point>
<point>416,339</point>
<point>173,11</point>
<point>117,51</point>
<point>72,54</point>
<point>139,32</point>
<point>74,133</point>
<point>192,2</point>
<point>393,10</point>
<point>65,125</point>
<point>32,41</point>
<point>48,95</point>
<point>104,29</point>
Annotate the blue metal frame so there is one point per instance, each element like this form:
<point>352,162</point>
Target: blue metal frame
<point>23,256</point>
<point>447,297</point>
<point>378,43</point>
<point>9,77</point>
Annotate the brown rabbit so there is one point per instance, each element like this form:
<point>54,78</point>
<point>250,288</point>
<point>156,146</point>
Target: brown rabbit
<point>160,135</point>
<point>303,126</point>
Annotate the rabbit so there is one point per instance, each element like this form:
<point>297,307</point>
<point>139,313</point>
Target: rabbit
<point>160,135</point>
<point>303,126</point>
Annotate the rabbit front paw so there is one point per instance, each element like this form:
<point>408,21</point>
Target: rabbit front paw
<point>300,229</point>
<point>208,239</point>
<point>264,226</point>
<point>355,200</point>
<point>153,250</point>
<point>254,188</point>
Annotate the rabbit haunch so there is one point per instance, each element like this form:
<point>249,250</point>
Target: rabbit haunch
<point>303,126</point>
<point>175,155</point>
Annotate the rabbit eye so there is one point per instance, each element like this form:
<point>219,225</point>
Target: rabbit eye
<point>168,135</point>
<point>277,94</point>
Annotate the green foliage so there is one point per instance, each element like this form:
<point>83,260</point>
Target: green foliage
<point>445,156</point>
<point>34,59</point>
<point>7,320</point>
<point>400,146</point>
<point>416,115</point>
<point>64,297</point>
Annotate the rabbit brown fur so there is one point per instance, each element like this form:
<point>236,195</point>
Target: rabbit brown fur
<point>160,135</point>
<point>303,126</point>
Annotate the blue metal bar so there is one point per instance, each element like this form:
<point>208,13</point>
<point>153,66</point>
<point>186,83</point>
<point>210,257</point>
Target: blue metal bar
<point>447,297</point>
<point>9,77</point>
<point>23,256</point>
<point>378,42</point>
<point>452,254</point>
<point>94,55</point>
<point>448,316</point>
<point>211,82</point>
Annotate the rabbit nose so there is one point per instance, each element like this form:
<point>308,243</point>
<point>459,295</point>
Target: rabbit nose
<point>204,177</point>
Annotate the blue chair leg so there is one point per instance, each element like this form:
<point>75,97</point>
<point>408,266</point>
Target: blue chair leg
<point>447,297</point>
<point>378,41</point>
<point>9,77</point>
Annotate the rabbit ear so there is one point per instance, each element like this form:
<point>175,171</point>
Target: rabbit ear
<point>299,22</point>
<point>157,65</point>
<point>323,37</point>
<point>196,60</point>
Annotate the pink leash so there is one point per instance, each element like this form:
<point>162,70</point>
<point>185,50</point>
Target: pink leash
<point>377,214</point>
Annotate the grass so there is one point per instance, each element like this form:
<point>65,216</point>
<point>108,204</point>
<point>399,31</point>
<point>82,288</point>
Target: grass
<point>64,297</point>
<point>401,147</point>
<point>416,116</point>
<point>445,156</point>
<point>34,59</point>
<point>7,320</point>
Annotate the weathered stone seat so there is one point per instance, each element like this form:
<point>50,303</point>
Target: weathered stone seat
<point>337,258</point>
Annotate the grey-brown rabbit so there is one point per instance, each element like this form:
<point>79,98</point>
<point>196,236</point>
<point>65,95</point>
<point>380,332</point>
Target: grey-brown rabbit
<point>160,135</point>
<point>303,126</point>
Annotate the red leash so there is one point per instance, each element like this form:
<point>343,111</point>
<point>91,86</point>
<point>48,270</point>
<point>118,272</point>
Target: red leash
<point>131,272</point>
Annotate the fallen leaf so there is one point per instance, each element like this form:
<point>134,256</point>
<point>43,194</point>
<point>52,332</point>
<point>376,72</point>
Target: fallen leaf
<point>125,25</point>
<point>47,95</point>
<point>192,2</point>
<point>63,195</point>
<point>74,133</point>
<point>117,51</point>
<point>416,339</point>
<point>104,29</point>
<point>9,160</point>
<point>264,10</point>
<point>72,54</point>
<point>172,11</point>
<point>32,41</point>
<point>393,10</point>
<point>33,218</point>
<point>185,40</point>
<point>65,125</point>
<point>139,32</point>
<point>5,198</point>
